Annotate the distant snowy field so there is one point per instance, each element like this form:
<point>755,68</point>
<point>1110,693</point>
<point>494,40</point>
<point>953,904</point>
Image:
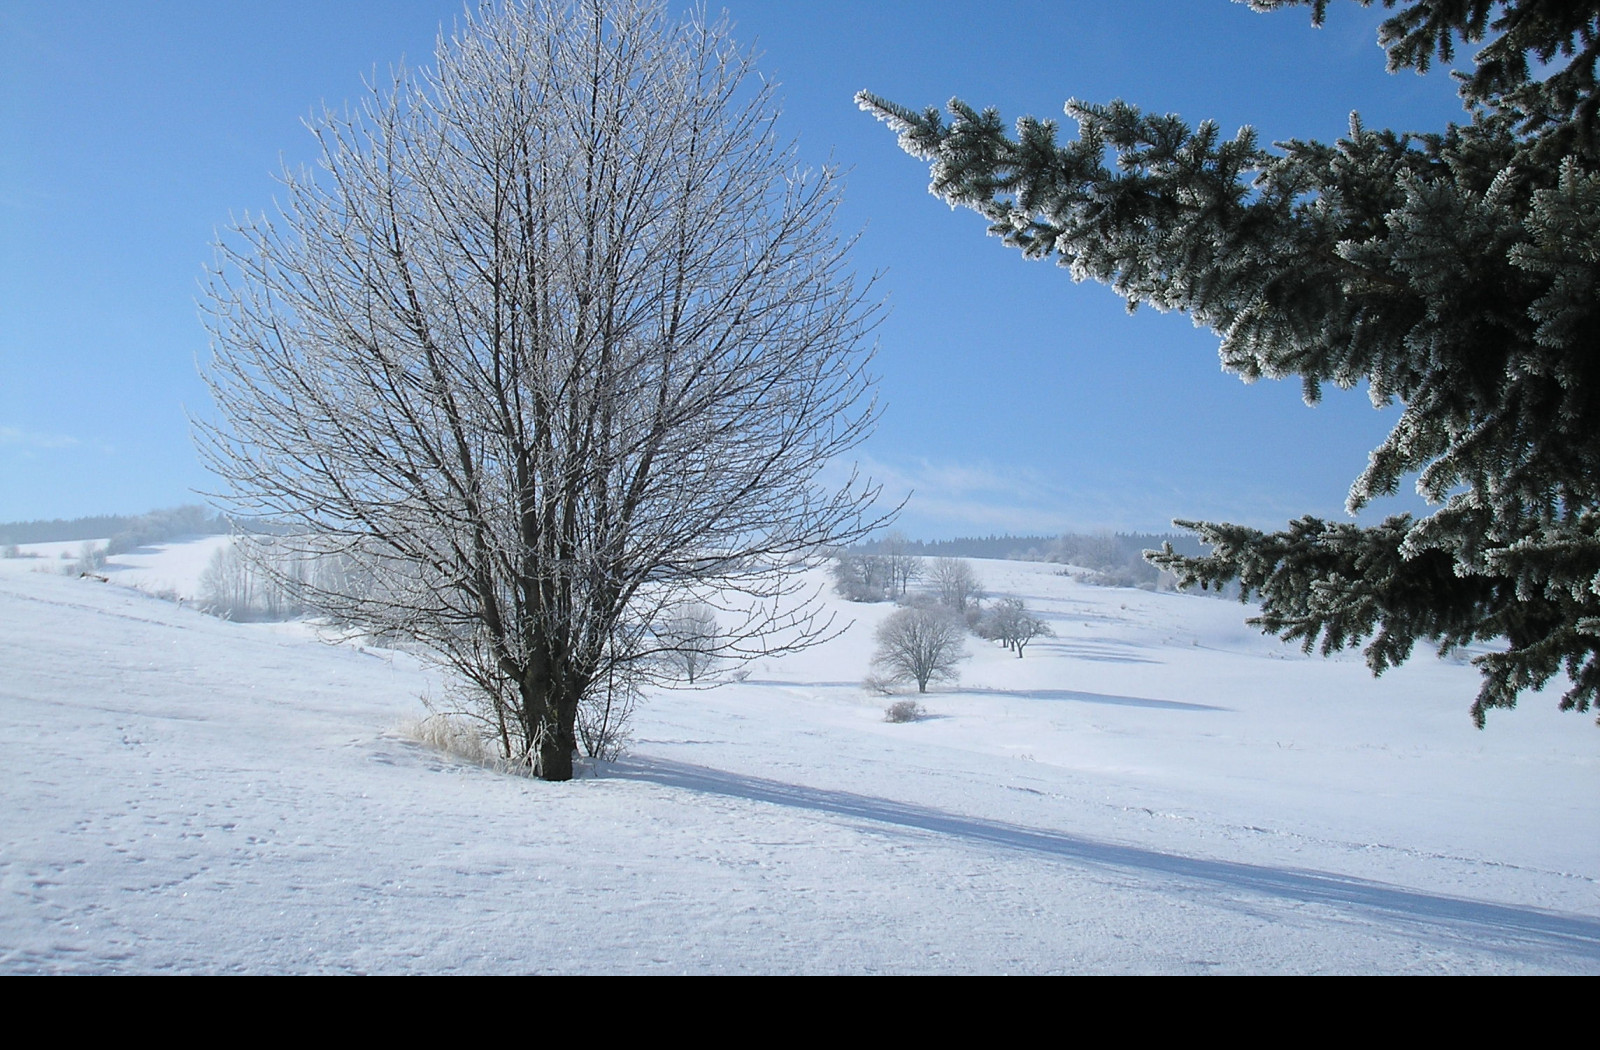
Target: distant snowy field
<point>1158,789</point>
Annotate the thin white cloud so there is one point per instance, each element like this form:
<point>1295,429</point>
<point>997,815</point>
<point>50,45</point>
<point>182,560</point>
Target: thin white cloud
<point>982,497</point>
<point>35,439</point>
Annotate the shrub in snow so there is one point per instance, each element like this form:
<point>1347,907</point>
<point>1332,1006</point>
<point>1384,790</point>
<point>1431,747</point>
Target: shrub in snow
<point>903,711</point>
<point>453,734</point>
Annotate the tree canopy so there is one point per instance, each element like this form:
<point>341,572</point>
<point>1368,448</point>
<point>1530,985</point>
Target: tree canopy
<point>555,343</point>
<point>1455,271</point>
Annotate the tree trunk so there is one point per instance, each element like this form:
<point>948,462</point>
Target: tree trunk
<point>558,738</point>
<point>555,755</point>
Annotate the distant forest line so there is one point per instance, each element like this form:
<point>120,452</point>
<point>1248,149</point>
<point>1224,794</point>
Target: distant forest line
<point>126,531</point>
<point>1115,558</point>
<point>1035,548</point>
<point>197,520</point>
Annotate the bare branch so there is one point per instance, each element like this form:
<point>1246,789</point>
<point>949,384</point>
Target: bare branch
<point>557,341</point>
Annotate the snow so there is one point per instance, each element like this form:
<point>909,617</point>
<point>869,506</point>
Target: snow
<point>167,568</point>
<point>1157,789</point>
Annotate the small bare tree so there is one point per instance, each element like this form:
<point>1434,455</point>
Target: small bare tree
<point>904,568</point>
<point>1010,623</point>
<point>689,640</point>
<point>91,559</point>
<point>227,586</point>
<point>861,577</point>
<point>557,340</point>
<point>955,583</point>
<point>922,646</point>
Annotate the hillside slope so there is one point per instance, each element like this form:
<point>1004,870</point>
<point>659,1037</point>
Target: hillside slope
<point>1157,789</point>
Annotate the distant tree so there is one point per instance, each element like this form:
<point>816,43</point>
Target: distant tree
<point>955,583</point>
<point>861,577</point>
<point>920,645</point>
<point>689,640</point>
<point>261,578</point>
<point>91,559</point>
<point>904,568</point>
<point>227,584</point>
<point>1028,628</point>
<point>1454,272</point>
<point>1009,622</point>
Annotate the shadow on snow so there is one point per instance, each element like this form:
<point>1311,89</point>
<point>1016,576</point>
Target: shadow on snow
<point>1094,698</point>
<point>1517,930</point>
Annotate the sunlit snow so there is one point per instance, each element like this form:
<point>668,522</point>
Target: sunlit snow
<point>1156,789</point>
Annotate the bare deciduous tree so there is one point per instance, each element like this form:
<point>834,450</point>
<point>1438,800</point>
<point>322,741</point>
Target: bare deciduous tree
<point>903,566</point>
<point>257,577</point>
<point>922,646</point>
<point>1011,624</point>
<point>557,340</point>
<point>690,639</point>
<point>955,583</point>
<point>861,577</point>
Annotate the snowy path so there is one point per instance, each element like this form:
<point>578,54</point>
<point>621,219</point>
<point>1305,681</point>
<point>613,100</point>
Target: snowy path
<point>186,795</point>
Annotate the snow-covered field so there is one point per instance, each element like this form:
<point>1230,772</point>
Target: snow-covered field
<point>1156,789</point>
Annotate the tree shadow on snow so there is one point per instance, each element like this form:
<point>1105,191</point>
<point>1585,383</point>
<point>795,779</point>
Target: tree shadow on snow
<point>1111,652</point>
<point>1078,696</point>
<point>801,683</point>
<point>1526,933</point>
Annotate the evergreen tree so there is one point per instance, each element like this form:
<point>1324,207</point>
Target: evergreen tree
<point>1457,272</point>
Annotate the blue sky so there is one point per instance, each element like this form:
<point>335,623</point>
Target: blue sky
<point>1015,400</point>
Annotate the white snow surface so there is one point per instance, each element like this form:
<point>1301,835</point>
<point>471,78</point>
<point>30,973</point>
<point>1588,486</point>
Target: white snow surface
<point>1158,789</point>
